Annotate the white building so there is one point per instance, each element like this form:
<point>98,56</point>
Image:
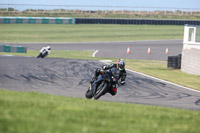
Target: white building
<point>190,62</point>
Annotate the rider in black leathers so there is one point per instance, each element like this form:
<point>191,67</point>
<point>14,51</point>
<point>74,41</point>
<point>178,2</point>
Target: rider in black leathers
<point>122,76</point>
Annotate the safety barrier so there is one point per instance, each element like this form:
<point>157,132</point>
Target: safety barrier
<point>1,48</point>
<point>174,62</point>
<point>55,20</point>
<point>14,49</point>
<point>36,20</point>
<point>136,21</point>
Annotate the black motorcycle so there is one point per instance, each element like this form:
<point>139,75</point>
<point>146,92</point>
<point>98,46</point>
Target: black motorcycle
<point>42,54</point>
<point>103,83</point>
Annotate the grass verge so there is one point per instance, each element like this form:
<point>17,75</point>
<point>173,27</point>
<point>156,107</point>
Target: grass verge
<point>60,54</point>
<point>104,15</point>
<point>159,69</point>
<point>22,33</point>
<point>56,54</point>
<point>33,112</point>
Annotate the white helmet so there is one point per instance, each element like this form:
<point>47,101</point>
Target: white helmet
<point>48,47</point>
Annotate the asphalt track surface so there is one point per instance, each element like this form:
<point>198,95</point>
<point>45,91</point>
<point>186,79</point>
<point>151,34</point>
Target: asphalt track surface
<point>117,49</point>
<point>70,77</point>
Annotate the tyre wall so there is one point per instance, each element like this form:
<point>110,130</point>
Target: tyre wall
<point>14,49</point>
<point>135,21</point>
<point>54,20</point>
<point>174,62</point>
<point>36,20</point>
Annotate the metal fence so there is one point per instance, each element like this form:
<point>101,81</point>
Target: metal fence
<point>90,9</point>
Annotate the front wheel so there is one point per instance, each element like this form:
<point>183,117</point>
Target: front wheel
<point>101,90</point>
<point>88,94</point>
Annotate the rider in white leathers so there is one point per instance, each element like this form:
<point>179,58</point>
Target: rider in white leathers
<point>44,52</point>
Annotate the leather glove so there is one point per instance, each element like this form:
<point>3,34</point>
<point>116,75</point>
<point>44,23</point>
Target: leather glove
<point>104,67</point>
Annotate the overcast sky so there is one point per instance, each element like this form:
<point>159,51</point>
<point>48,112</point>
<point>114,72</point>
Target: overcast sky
<point>139,3</point>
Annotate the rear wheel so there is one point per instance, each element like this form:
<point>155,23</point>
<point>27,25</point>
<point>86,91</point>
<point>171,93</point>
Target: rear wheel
<point>101,90</point>
<point>39,56</point>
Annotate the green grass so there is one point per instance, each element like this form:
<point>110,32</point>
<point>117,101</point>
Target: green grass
<point>159,69</point>
<point>56,54</point>
<point>104,15</point>
<point>31,112</point>
<point>16,33</point>
<point>59,54</point>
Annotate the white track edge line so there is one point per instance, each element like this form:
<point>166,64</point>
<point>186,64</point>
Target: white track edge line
<point>163,81</point>
<point>95,52</point>
<point>158,79</point>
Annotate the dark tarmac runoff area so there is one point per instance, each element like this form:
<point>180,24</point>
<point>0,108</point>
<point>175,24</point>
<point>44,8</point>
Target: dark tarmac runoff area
<point>70,77</point>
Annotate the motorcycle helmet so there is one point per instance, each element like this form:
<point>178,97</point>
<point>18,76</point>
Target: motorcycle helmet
<point>48,47</point>
<point>121,64</point>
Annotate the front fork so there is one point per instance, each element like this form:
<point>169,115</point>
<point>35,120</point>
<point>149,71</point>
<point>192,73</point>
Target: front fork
<point>90,88</point>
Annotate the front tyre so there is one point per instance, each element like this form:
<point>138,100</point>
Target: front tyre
<point>88,94</point>
<point>101,90</point>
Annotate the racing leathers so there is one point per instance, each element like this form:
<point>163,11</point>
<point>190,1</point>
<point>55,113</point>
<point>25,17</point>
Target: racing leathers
<point>121,80</point>
<point>44,52</point>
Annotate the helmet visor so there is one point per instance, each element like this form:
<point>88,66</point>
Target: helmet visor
<point>121,67</point>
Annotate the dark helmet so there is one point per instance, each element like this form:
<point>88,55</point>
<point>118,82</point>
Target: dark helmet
<point>121,64</point>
